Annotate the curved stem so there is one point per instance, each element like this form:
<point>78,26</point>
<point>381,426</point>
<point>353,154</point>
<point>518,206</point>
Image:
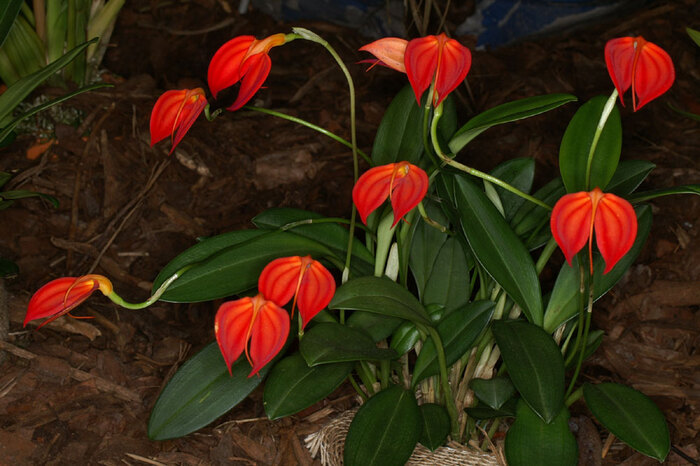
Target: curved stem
<point>547,252</point>
<point>154,297</point>
<point>586,329</point>
<point>574,397</point>
<point>445,383</point>
<point>310,125</point>
<point>581,313</point>
<point>472,171</point>
<point>607,109</point>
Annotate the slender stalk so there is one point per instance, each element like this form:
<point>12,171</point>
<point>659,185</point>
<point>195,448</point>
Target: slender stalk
<point>154,297</point>
<point>357,388</point>
<point>581,312</point>
<point>607,109</point>
<point>445,383</point>
<point>574,397</point>
<point>547,252</point>
<point>586,329</point>
<point>472,171</point>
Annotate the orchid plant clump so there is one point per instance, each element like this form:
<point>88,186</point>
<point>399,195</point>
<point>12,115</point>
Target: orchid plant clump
<point>435,313</point>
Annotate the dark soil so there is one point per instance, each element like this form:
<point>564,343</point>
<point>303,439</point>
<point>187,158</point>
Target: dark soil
<point>80,392</point>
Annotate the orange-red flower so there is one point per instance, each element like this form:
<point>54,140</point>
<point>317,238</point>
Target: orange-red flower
<point>575,215</point>
<point>174,114</point>
<point>307,280</point>
<point>403,183</point>
<point>643,66</point>
<point>425,60</point>
<point>60,296</point>
<point>244,59</point>
<point>256,326</point>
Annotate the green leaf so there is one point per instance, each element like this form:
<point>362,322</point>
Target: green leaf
<point>8,13</point>
<point>377,326</point>
<point>563,302</point>
<point>385,430</point>
<point>535,365</point>
<point>458,332</point>
<point>21,89</point>
<point>648,195</point>
<point>448,284</point>
<point>230,263</point>
<point>578,140</point>
<point>332,235</point>
<point>482,411</point>
<point>531,222</point>
<point>506,113</point>
<point>329,342</point>
<point>529,441</point>
<point>201,391</point>
<point>498,249</point>
<point>425,246</point>
<point>436,425</point>
<point>494,392</point>
<point>400,133</point>
<point>405,338</point>
<point>628,176</point>
<point>293,385</point>
<point>518,173</point>
<point>381,296</point>
<point>14,195</point>
<point>694,34</point>
<point>630,416</point>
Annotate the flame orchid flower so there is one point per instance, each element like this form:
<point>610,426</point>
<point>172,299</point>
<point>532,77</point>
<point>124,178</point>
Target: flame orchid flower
<point>256,326</point>
<point>575,216</point>
<point>307,280</point>
<point>403,183</point>
<point>431,59</point>
<point>60,296</point>
<point>643,66</point>
<point>174,114</point>
<point>244,59</point>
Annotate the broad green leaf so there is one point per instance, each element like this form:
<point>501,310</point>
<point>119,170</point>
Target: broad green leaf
<point>425,246</point>
<point>531,222</point>
<point>498,249</point>
<point>8,13</point>
<point>694,34</point>
<point>494,392</point>
<point>201,391</point>
<point>332,235</point>
<point>436,425</point>
<point>458,332</point>
<point>405,338</point>
<point>377,326</point>
<point>631,416</point>
<point>4,178</point>
<point>518,173</point>
<point>21,89</point>
<point>21,194</point>
<point>563,302</point>
<point>329,342</point>
<point>293,385</point>
<point>400,133</point>
<point>385,430</point>
<point>506,113</point>
<point>594,340</point>
<point>628,176</point>
<point>448,284</point>
<point>578,141</point>
<point>648,195</point>
<point>228,264</point>
<point>483,411</point>
<point>381,296</point>
<point>535,365</point>
<point>529,441</point>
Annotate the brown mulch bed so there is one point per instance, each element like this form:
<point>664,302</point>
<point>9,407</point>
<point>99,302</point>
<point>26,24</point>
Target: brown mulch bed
<point>80,392</point>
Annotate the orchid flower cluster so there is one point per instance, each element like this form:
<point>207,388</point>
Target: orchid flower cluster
<point>438,321</point>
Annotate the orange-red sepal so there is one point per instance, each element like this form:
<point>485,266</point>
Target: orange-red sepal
<point>437,58</point>
<point>643,66</point>
<point>306,279</point>
<point>576,215</point>
<point>404,183</point>
<point>244,59</point>
<point>60,296</point>
<point>256,326</point>
<point>389,52</point>
<point>174,114</point>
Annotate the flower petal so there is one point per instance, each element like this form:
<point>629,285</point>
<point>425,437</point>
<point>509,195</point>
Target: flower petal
<point>455,61</point>
<point>571,222</point>
<point>279,279</point>
<point>225,66</point>
<point>315,292</point>
<point>409,189</point>
<point>421,60</point>
<point>254,71</point>
<point>619,58</point>
<point>389,52</point>
<point>268,335</point>
<point>232,326</point>
<point>615,228</point>
<point>653,75</point>
<point>164,114</point>
<point>372,189</point>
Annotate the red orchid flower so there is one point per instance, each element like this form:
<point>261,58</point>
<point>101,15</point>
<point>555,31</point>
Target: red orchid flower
<point>402,182</point>
<point>256,326</point>
<point>244,59</point>
<point>425,60</point>
<point>575,215</point>
<point>643,66</point>
<point>311,284</point>
<point>60,296</point>
<point>174,114</point>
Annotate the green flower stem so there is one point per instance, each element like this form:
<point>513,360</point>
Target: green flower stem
<point>155,297</point>
<point>302,33</point>
<point>321,130</point>
<point>609,105</point>
<point>472,171</point>
<point>366,377</point>
<point>581,313</point>
<point>432,222</point>
<point>210,116</point>
<point>445,383</point>
<point>316,221</point>
<point>546,253</point>
<point>586,329</point>
<point>574,397</point>
<point>357,388</point>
